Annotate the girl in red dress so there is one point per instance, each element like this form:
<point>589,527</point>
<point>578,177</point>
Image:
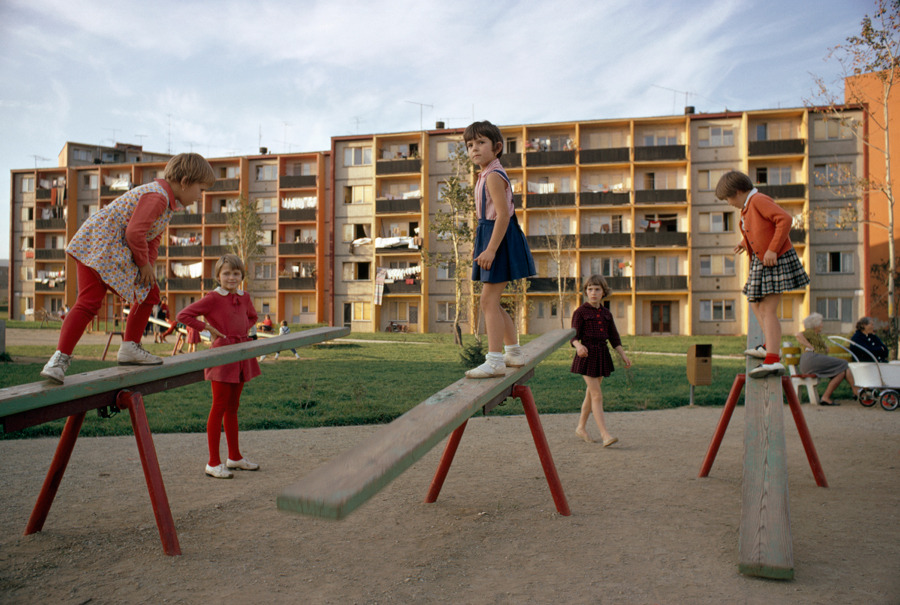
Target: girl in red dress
<point>229,313</point>
<point>594,325</point>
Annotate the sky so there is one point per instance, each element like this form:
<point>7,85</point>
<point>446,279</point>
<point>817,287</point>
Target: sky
<point>226,77</point>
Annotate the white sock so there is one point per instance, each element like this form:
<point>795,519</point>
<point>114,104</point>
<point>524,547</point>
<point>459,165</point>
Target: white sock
<point>511,348</point>
<point>495,359</point>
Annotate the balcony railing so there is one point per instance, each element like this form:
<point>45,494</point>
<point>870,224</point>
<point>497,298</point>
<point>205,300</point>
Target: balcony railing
<point>296,283</point>
<point>604,156</point>
<point>296,248</point>
<point>659,152</point>
<point>184,283</point>
<point>411,205</point>
<point>660,282</point>
<point>548,242</point>
<point>42,224</point>
<point>217,250</point>
<point>798,236</point>
<point>42,194</point>
<point>660,196</point>
<point>605,240</point>
<point>783,191</point>
<point>297,214</point>
<point>297,182</point>
<point>650,239</point>
<point>216,218</point>
<point>397,166</point>
<point>782,147</point>
<point>226,185</point>
<point>401,287</point>
<point>210,283</point>
<point>186,219</point>
<point>511,160</point>
<point>604,198</point>
<point>549,200</point>
<point>550,284</point>
<point>54,286</point>
<point>49,254</point>
<point>549,158</point>
<point>196,250</point>
<point>619,284</point>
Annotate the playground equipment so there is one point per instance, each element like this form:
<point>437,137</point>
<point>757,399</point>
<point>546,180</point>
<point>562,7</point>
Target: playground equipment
<point>878,382</point>
<point>123,387</point>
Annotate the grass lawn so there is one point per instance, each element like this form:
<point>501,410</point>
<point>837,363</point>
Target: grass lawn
<point>349,383</point>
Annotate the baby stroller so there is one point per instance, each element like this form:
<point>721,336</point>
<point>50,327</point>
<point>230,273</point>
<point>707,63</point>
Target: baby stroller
<point>878,382</point>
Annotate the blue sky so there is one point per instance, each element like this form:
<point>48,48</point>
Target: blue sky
<point>225,77</point>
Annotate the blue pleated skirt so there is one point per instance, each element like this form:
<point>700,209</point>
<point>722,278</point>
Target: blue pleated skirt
<point>513,259</point>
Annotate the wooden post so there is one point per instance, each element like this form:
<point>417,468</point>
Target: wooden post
<point>765,546</point>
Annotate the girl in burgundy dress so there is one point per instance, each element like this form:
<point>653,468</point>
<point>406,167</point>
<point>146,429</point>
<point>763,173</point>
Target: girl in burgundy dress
<point>594,325</point>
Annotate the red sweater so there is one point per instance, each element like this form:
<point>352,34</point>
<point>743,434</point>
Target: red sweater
<point>765,226</point>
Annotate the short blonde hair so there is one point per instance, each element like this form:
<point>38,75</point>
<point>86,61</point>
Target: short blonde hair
<point>190,166</point>
<point>232,260</point>
<point>813,320</point>
<point>597,280</point>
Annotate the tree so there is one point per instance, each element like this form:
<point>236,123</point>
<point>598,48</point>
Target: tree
<point>560,243</point>
<point>455,226</point>
<point>245,233</point>
<point>872,56</point>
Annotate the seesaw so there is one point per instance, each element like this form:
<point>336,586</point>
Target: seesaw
<point>124,386</point>
<point>343,484</point>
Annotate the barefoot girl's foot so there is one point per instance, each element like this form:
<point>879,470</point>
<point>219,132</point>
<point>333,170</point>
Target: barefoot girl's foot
<point>583,435</point>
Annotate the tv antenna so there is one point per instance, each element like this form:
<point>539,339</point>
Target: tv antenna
<point>422,107</point>
<point>357,119</point>
<point>674,98</point>
<point>140,138</point>
<point>39,157</point>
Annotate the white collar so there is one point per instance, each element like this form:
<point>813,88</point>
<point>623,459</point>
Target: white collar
<point>224,292</point>
<point>753,192</point>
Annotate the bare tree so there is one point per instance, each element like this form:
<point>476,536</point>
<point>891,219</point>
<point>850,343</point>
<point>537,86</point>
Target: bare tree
<point>245,234</point>
<point>873,53</point>
<point>559,244</point>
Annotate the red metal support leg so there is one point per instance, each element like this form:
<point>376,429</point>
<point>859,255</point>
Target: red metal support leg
<point>134,403</point>
<point>55,474</point>
<point>805,437</point>
<point>446,460</point>
<point>736,388</point>
<point>540,442</point>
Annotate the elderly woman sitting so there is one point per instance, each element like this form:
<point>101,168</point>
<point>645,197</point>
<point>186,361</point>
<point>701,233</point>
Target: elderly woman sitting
<point>816,361</point>
<point>865,342</point>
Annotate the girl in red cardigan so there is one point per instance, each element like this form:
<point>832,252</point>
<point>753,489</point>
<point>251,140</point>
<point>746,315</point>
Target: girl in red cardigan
<point>774,264</point>
<point>229,313</point>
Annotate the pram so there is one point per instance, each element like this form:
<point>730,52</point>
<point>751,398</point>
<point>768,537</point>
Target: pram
<point>878,382</point>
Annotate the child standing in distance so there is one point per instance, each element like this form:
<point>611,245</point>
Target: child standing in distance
<point>284,329</point>
<point>594,326</point>
<point>774,265</point>
<point>193,339</point>
<point>116,249</point>
<point>229,313</point>
<point>501,252</point>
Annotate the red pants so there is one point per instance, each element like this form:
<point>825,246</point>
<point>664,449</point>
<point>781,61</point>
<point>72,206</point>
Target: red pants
<point>226,399</point>
<point>91,292</point>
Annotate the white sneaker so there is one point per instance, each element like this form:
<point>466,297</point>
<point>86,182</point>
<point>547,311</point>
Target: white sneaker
<point>297,355</point>
<point>767,369</point>
<point>243,464</point>
<point>276,355</point>
<point>133,354</point>
<point>260,358</point>
<point>486,370</point>
<point>758,351</point>
<point>56,368</point>
<point>514,360</point>
<point>219,472</point>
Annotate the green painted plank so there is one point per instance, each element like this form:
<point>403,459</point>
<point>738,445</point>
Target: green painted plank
<point>341,485</point>
<point>35,395</point>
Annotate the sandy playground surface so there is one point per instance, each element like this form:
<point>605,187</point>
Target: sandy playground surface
<point>643,529</point>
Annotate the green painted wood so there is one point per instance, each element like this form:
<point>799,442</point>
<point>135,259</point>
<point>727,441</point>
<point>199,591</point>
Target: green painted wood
<point>341,485</point>
<point>764,545</point>
<point>17,399</point>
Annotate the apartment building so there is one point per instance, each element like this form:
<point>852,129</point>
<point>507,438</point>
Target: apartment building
<point>630,199</point>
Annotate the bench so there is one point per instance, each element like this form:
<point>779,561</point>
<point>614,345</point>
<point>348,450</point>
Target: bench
<point>790,356</point>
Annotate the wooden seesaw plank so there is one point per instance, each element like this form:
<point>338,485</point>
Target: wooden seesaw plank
<point>28,404</point>
<point>341,485</point>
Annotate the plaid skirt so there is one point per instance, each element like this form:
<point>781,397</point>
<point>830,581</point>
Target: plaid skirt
<point>788,274</point>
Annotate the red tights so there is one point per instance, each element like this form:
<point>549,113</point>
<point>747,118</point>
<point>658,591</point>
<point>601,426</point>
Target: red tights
<point>226,399</point>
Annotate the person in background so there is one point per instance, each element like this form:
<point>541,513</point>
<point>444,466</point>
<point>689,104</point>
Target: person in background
<point>815,359</point>
<point>866,344</point>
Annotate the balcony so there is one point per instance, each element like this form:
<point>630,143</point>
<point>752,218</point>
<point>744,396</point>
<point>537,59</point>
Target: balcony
<point>296,283</point>
<point>782,147</point>
<point>50,254</point>
<point>605,240</point>
<point>511,160</point>
<point>184,283</point>
<point>186,219</point>
<point>604,156</point>
<point>298,248</point>
<point>549,158</point>
<point>798,236</point>
<point>42,194</point>
<point>209,283</point>
<point>550,242</point>
<point>297,214</point>
<point>397,166</point>
<point>297,182</point>
<point>659,153</point>
<point>644,283</point>
<point>217,250</point>
<point>550,200</point>
<point>651,239</point>
<point>660,196</point>
<point>226,185</point>
<point>196,250</point>
<point>604,198</point>
<point>619,284</point>
<point>551,284</point>
<point>783,191</point>
<point>50,224</point>
<point>50,286</point>
<point>401,287</point>
<point>408,206</point>
<point>216,218</point>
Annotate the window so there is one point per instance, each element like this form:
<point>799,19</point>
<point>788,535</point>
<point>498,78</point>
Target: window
<point>539,309</point>
<point>27,243</point>
<point>229,172</point>
<point>355,231</point>
<point>774,175</point>
<point>362,311</point>
<point>27,273</point>
<point>666,179</point>
<point>786,308</point>
<point>307,303</point>
<point>836,309</point>
<point>832,129</point>
<point>716,222</point>
<point>83,155</point>
<point>660,265</point>
<point>27,184</point>
<point>357,156</point>
<point>446,271</point>
<point>90,181</point>
<point>708,179</point>
<point>715,136</point>
<point>266,172</point>
<point>266,205</point>
<point>358,194</point>
<point>607,139</point>
<point>303,169</point>
<point>658,138</point>
<point>446,149</point>
<point>355,271</point>
<point>512,146</point>
<point>264,271</point>
<point>832,174</point>
<point>400,310</point>
<point>268,237</point>
<point>446,311</point>
<point>717,310</point>
<point>27,213</point>
<point>834,262</point>
<point>716,264</point>
<point>832,219</point>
